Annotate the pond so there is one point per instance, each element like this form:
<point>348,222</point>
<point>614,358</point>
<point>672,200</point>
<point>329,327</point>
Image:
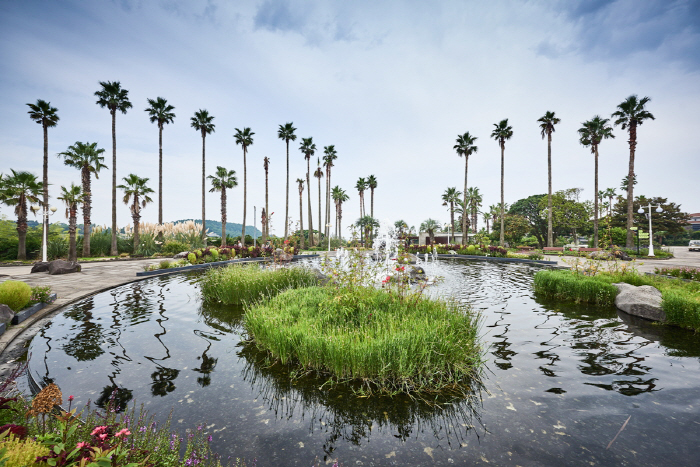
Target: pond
<point>560,382</point>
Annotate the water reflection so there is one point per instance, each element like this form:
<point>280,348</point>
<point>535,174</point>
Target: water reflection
<point>341,417</point>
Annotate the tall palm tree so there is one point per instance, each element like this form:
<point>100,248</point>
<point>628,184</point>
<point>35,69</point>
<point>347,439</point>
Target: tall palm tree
<point>372,185</point>
<point>46,116</point>
<point>430,226</point>
<point>89,159</point>
<point>631,113</point>
<point>220,181</point>
<point>300,182</point>
<point>266,222</point>
<point>361,186</point>
<point>495,213</point>
<point>286,133</point>
<point>319,175</point>
<point>339,197</point>
<point>17,190</point>
<point>72,197</point>
<point>449,198</point>
<point>487,219</point>
<point>308,148</point>
<point>547,122</point>
<point>610,194</point>
<point>501,133</point>
<point>160,112</point>
<point>114,98</point>
<point>591,134</point>
<point>402,227</point>
<point>202,122</point>
<point>474,199</point>
<point>245,139</point>
<point>136,191</point>
<point>367,224</point>
<point>329,156</point>
<point>465,147</point>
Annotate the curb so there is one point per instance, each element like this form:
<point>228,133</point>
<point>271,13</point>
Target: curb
<point>215,264</point>
<point>498,259</point>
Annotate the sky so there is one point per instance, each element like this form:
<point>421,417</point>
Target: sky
<point>391,84</point>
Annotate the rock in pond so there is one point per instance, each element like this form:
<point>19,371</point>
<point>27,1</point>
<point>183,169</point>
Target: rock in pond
<point>63,267</point>
<point>643,301</point>
<point>6,314</point>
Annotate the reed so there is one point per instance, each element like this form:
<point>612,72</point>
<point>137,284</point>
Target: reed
<point>569,286</point>
<point>366,335</point>
<point>246,284</point>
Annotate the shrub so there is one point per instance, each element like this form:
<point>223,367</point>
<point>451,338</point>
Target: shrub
<point>367,335</point>
<point>57,247</point>
<point>22,452</point>
<point>681,272</point>
<point>15,294</point>
<point>40,295</point>
<point>165,264</point>
<point>214,253</point>
<point>192,258</point>
<point>535,256</point>
<point>173,247</point>
<point>241,284</point>
<point>471,249</point>
<point>147,245</point>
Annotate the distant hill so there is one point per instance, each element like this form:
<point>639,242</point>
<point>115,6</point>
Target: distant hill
<point>232,229</point>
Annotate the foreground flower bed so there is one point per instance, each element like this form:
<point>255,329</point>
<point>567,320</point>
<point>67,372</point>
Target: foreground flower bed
<point>386,342</point>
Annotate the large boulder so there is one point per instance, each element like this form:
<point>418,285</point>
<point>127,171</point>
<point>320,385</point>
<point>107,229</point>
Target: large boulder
<point>181,255</point>
<point>601,254</point>
<point>281,255</point>
<point>63,267</point>
<point>643,301</point>
<point>40,266</point>
<point>417,274</point>
<point>6,314</point>
<point>320,277</point>
<point>622,255</point>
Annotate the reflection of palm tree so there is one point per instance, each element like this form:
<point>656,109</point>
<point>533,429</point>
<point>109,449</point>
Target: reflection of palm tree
<point>85,345</point>
<point>208,363</point>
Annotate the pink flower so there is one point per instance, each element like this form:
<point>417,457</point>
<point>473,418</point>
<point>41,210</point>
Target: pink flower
<point>123,432</point>
<point>98,430</point>
<point>103,436</point>
<point>82,445</point>
<point>70,398</point>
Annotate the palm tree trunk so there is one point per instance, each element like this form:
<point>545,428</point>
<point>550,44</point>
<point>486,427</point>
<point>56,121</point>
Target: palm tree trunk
<point>204,215</point>
<point>550,235</point>
<point>340,221</point>
<point>308,193</point>
<point>327,230</point>
<point>371,202</point>
<point>223,216</point>
<point>87,208</point>
<point>72,221</point>
<point>301,216</point>
<point>319,211</point>
<point>113,247</point>
<point>286,208</point>
<point>45,221</point>
<point>135,216</point>
<point>160,174</point>
<point>22,231</point>
<point>266,223</point>
<point>630,186</point>
<point>595,206</point>
<point>452,220</point>
<point>245,195</point>
<point>465,230</point>
<point>502,216</point>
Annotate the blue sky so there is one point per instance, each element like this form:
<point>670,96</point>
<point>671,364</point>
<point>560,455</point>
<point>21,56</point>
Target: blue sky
<point>390,84</point>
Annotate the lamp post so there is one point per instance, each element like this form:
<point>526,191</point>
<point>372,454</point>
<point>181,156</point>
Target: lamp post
<point>45,229</point>
<point>329,225</point>
<point>651,236</point>
<point>255,227</point>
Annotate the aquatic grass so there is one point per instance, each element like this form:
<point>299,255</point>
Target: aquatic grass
<point>386,342</point>
<point>569,286</point>
<point>247,284</point>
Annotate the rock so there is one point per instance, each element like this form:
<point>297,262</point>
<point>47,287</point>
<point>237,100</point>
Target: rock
<point>622,255</point>
<point>417,274</point>
<point>451,252</point>
<point>320,277</point>
<point>40,267</point>
<point>603,255</point>
<point>643,301</point>
<point>181,255</point>
<point>281,255</point>
<point>63,267</point>
<point>6,314</point>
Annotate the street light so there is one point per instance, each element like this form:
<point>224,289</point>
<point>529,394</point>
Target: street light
<point>651,236</point>
<point>45,233</point>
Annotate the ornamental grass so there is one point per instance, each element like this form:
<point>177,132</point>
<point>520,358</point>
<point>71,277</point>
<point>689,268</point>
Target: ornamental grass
<point>389,343</point>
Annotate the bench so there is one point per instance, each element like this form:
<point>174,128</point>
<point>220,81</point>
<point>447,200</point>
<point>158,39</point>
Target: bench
<point>552,248</point>
<point>589,249</point>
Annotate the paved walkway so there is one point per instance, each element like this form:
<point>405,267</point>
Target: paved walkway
<point>682,258</point>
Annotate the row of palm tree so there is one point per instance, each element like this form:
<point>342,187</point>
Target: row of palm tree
<point>629,115</point>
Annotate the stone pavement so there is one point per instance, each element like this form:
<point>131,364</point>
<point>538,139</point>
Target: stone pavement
<point>682,258</point>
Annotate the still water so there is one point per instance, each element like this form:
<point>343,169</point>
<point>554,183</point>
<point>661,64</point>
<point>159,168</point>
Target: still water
<point>560,382</point>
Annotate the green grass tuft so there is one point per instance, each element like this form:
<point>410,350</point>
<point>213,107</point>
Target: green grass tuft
<point>568,286</point>
<point>15,294</point>
<point>247,284</point>
<point>367,335</point>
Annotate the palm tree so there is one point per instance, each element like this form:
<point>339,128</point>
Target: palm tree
<point>465,147</point>
<point>160,112</point>
<point>89,159</point>
<point>361,186</point>
<point>474,199</point>
<point>367,224</point>
<point>610,194</point>
<point>330,155</point>
<point>308,148</point>
<point>286,133</point>
<point>114,98</point>
<point>591,134</point>
<point>266,222</point>
<point>220,181</point>
<point>402,227</point>
<point>72,197</point>
<point>47,117</point>
<point>430,226</point>
<point>136,191</point>
<point>202,122</point>
<point>501,133</point>
<point>319,174</point>
<point>17,190</point>
<point>450,197</point>
<point>371,184</point>
<point>631,113</point>
<point>547,122</point>
<point>245,139</point>
<point>487,218</point>
<point>339,197</point>
<point>300,182</point>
